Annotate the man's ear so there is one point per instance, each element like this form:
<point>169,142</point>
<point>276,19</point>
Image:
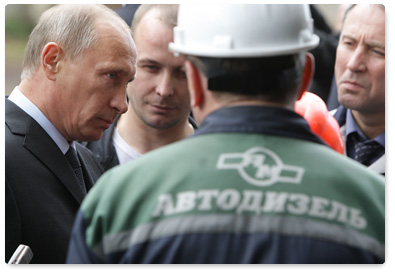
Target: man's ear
<point>50,57</point>
<point>195,84</point>
<point>308,74</point>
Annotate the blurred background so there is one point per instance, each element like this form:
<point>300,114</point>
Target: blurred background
<point>21,18</point>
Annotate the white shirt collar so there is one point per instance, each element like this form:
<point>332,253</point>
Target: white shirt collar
<point>32,110</point>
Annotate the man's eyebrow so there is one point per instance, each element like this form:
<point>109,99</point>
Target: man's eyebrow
<point>113,69</point>
<point>118,70</point>
<point>376,44</point>
<point>349,37</point>
<point>148,60</point>
<point>153,62</point>
<point>369,43</point>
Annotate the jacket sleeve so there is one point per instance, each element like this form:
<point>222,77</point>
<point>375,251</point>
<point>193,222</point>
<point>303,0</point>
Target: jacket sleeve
<point>12,223</point>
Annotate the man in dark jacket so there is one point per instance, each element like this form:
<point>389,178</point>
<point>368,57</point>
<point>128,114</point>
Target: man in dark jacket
<point>78,61</point>
<point>360,77</point>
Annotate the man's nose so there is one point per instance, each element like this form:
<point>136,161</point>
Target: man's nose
<point>119,102</point>
<point>357,61</point>
<point>165,87</point>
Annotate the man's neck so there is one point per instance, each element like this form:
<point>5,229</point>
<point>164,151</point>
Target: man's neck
<point>144,138</point>
<point>371,125</point>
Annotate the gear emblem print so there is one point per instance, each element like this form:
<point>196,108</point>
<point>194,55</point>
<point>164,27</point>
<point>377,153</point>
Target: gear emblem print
<point>260,166</point>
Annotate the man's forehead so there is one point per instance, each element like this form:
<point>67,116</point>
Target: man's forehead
<point>365,13</point>
<point>365,22</point>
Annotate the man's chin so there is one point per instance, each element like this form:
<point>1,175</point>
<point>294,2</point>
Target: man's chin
<point>92,136</point>
<point>162,124</point>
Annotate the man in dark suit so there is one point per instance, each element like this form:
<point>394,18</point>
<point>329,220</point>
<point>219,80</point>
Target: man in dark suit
<point>75,72</point>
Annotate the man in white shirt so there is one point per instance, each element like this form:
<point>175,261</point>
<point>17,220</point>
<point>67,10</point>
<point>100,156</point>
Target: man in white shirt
<point>78,62</point>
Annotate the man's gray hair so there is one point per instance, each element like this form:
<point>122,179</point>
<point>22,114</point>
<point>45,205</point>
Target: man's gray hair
<point>350,7</point>
<point>70,26</point>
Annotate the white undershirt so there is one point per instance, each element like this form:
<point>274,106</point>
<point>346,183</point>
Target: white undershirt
<point>124,152</point>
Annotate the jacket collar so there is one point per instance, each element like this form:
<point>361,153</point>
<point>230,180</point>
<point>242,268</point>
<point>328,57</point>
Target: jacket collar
<point>258,119</point>
<point>340,115</point>
<point>35,138</point>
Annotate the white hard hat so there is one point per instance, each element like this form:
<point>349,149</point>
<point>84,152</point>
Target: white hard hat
<point>230,30</point>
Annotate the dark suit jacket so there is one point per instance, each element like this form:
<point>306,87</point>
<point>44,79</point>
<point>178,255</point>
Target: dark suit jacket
<point>340,114</point>
<point>42,194</point>
<point>103,148</point>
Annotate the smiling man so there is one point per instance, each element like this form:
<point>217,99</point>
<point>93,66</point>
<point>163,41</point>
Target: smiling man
<point>360,77</point>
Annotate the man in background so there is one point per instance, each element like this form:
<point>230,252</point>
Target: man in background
<point>360,77</point>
